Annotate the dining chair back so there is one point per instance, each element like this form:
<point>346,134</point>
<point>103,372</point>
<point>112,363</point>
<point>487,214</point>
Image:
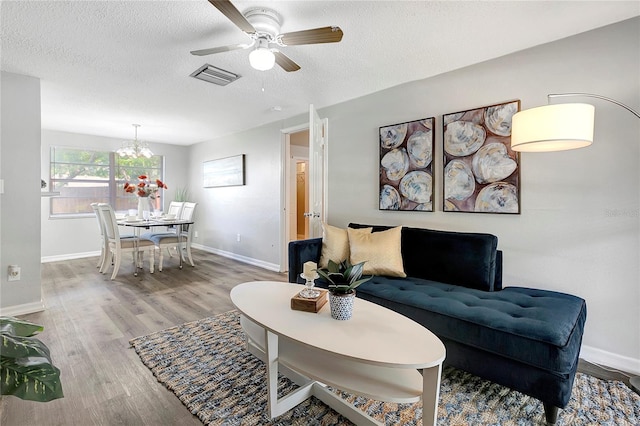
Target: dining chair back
<point>117,245</point>
<point>188,213</point>
<point>104,249</point>
<point>175,207</point>
<point>169,240</point>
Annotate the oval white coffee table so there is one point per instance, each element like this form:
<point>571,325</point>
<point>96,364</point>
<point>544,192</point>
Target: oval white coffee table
<point>378,353</point>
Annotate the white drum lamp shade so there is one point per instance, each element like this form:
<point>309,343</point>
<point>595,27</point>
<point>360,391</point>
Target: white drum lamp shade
<point>262,59</point>
<point>553,128</point>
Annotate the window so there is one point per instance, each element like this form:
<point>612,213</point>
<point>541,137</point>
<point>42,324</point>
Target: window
<point>83,177</point>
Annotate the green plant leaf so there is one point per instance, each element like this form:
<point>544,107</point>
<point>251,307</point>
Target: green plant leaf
<point>33,379</point>
<point>20,327</point>
<point>16,347</point>
<point>26,370</point>
<point>333,267</point>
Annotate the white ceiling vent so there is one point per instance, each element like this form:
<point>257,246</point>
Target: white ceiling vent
<point>214,75</point>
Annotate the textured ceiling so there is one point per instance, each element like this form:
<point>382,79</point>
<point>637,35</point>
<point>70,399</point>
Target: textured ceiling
<point>104,65</point>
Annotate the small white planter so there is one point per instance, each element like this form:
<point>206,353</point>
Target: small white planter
<point>341,305</point>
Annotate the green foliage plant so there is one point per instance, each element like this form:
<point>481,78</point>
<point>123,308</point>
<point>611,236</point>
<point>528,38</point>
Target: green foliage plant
<point>26,369</point>
<point>344,277</point>
<point>182,194</point>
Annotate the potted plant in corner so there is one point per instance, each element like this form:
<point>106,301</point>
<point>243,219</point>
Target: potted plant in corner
<point>343,279</point>
<point>27,371</point>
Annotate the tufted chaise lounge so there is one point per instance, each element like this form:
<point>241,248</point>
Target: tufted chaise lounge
<point>523,338</point>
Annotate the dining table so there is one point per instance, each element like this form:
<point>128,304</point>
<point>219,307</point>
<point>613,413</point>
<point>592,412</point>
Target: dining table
<point>139,224</point>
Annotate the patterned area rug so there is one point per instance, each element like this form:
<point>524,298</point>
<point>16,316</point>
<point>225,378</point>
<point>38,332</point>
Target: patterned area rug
<point>205,364</point>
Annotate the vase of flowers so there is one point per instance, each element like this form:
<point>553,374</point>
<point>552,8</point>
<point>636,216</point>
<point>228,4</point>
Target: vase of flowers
<point>146,191</point>
<point>343,279</point>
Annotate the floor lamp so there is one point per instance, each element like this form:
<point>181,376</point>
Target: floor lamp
<point>559,127</point>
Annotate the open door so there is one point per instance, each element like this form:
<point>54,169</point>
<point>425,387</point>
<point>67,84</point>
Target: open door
<point>317,172</point>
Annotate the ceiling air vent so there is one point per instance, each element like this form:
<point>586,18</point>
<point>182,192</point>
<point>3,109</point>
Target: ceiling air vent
<point>214,75</point>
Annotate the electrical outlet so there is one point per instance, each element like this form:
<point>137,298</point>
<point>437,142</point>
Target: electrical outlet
<point>195,234</point>
<point>14,273</point>
<point>238,238</point>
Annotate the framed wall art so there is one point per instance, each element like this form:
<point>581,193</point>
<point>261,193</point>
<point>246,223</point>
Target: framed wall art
<point>481,172</point>
<point>406,166</point>
<point>223,172</point>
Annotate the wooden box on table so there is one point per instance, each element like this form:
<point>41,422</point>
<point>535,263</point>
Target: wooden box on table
<point>299,303</point>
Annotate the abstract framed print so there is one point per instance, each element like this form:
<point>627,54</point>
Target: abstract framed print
<point>481,172</point>
<point>406,166</point>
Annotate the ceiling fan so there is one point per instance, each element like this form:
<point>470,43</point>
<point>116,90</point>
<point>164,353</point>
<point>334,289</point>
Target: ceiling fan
<point>262,26</point>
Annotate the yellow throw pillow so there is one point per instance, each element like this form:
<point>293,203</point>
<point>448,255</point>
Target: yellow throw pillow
<point>335,244</point>
<point>381,252</point>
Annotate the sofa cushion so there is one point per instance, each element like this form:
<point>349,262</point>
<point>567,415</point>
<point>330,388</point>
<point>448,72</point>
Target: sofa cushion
<point>462,258</point>
<point>335,244</point>
<point>537,327</point>
<point>381,251</point>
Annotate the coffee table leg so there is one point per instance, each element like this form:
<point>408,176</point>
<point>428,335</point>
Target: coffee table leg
<point>278,407</point>
<point>430,394</point>
<point>272,373</point>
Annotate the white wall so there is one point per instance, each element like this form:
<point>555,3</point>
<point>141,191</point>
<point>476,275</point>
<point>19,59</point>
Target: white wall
<point>20,202</point>
<point>75,237</point>
<point>578,231</point>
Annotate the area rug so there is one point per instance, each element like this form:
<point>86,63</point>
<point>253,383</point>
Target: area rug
<point>207,367</point>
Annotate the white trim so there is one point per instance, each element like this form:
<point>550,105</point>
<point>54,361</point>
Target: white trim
<point>285,181</point>
<point>609,359</point>
<point>24,309</point>
<point>251,261</point>
<point>71,256</point>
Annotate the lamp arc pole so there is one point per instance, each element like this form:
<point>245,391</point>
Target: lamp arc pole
<point>557,127</point>
<point>634,381</point>
<point>591,95</point>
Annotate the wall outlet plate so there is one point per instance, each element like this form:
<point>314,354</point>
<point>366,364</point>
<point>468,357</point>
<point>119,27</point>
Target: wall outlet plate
<point>14,273</point>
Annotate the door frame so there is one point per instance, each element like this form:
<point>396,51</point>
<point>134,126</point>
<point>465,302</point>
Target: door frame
<point>285,194</point>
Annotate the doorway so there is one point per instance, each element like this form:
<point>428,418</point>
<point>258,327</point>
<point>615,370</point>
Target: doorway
<point>301,203</point>
<point>304,158</point>
<point>298,180</point>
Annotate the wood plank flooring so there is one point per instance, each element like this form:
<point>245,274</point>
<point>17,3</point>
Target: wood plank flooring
<point>90,319</point>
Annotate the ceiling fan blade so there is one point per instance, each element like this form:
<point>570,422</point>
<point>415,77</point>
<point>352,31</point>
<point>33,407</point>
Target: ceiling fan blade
<point>231,47</point>
<point>314,36</point>
<point>285,62</point>
<point>229,10</point>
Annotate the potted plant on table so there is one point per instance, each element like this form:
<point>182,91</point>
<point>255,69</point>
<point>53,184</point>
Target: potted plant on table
<point>343,279</point>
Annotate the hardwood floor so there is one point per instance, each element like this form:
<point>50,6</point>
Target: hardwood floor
<point>90,319</point>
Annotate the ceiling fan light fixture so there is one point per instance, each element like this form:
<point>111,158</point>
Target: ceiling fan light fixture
<point>262,58</point>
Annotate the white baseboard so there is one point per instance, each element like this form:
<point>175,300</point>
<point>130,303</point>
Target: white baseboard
<point>27,308</point>
<point>47,259</point>
<point>609,359</point>
<point>255,262</point>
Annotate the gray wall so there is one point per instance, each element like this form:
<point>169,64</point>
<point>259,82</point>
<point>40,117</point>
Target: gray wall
<point>20,203</point>
<point>578,231</point>
<point>252,210</point>
<point>71,238</point>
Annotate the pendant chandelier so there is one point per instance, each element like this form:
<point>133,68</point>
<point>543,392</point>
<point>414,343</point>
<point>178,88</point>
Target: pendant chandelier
<point>135,148</point>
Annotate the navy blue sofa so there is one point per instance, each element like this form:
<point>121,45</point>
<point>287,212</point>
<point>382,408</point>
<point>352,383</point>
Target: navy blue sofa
<point>523,338</point>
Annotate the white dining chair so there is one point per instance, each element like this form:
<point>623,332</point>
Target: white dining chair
<point>117,245</point>
<point>168,240</point>
<point>104,249</point>
<point>175,207</point>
